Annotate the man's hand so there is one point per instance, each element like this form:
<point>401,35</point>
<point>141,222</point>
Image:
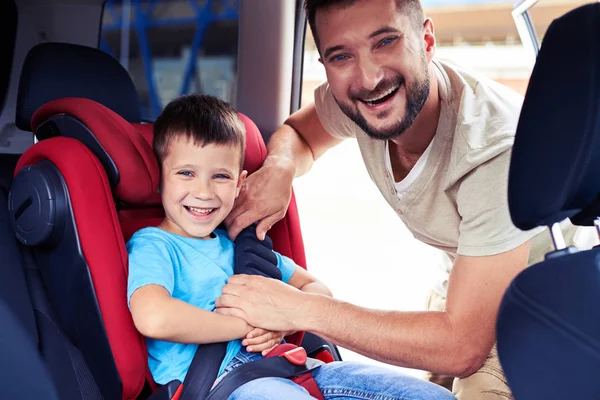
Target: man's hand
<point>265,197</point>
<point>265,303</point>
<point>262,340</point>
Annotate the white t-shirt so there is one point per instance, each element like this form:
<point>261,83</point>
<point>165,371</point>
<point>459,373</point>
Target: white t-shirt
<point>405,184</point>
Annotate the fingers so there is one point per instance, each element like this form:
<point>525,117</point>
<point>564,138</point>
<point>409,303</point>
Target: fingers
<point>238,223</point>
<point>267,351</point>
<point>232,312</point>
<point>266,224</point>
<point>236,281</point>
<point>258,339</point>
<point>256,332</point>
<point>264,342</point>
<point>229,301</point>
<point>259,348</point>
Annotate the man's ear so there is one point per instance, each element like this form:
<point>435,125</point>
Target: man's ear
<point>240,182</point>
<point>429,38</point>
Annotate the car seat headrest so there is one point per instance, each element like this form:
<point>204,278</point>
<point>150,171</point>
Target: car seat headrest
<point>554,171</point>
<point>56,70</point>
<point>122,148</point>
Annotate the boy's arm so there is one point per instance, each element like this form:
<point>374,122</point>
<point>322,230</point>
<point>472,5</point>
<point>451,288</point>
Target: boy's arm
<point>157,315</point>
<point>298,277</point>
<point>303,280</point>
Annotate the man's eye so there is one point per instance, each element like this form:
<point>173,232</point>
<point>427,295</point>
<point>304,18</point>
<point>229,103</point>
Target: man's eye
<point>387,41</point>
<point>339,57</point>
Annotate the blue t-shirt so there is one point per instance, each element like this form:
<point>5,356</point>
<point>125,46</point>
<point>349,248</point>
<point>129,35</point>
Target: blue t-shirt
<point>191,270</point>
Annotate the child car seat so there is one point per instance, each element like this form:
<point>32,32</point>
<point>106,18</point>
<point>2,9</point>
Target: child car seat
<point>83,189</point>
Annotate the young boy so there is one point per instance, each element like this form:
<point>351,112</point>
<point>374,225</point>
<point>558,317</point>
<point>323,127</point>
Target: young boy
<point>177,270</point>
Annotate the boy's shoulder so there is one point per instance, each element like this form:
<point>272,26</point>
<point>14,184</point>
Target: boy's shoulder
<point>147,233</point>
<point>149,236</point>
<point>222,234</point>
<point>161,238</point>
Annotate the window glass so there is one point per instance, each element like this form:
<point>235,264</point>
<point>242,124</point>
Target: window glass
<point>173,47</point>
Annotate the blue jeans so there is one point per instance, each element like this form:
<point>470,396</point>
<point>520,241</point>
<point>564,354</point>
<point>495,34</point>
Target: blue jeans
<point>339,381</point>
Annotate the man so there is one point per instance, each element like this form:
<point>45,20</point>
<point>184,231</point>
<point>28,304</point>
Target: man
<point>436,140</point>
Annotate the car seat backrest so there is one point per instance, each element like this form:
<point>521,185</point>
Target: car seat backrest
<point>553,174</point>
<point>13,287</point>
<point>548,325</point>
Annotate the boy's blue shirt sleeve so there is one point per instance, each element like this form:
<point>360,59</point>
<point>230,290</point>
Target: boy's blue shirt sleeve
<point>149,264</point>
<point>286,265</point>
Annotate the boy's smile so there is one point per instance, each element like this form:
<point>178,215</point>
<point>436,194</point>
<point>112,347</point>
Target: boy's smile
<point>199,186</point>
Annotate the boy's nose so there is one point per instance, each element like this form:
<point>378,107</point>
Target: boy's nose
<point>203,191</point>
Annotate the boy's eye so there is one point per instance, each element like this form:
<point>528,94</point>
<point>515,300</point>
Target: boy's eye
<point>186,173</point>
<point>222,176</point>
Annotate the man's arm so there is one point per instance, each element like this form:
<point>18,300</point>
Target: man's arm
<point>157,315</point>
<point>261,340</point>
<point>453,342</point>
<point>266,193</point>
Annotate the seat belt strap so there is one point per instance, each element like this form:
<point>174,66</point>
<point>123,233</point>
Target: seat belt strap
<point>275,367</point>
<point>203,371</point>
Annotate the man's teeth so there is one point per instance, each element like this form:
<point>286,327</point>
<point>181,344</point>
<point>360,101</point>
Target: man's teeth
<point>389,91</point>
<point>201,210</point>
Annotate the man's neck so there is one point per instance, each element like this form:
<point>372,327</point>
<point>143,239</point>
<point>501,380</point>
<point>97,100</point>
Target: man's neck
<point>410,146</point>
<point>416,139</point>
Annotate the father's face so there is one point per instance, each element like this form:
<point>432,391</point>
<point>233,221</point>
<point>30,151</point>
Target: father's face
<point>376,65</point>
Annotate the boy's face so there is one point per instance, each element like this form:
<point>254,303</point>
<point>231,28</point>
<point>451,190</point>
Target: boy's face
<point>199,186</point>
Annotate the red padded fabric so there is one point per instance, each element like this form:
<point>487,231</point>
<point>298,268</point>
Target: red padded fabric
<point>286,234</point>
<point>103,247</point>
<point>132,155</point>
<point>135,219</point>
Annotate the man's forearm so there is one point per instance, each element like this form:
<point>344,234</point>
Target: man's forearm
<point>420,340</point>
<point>287,148</point>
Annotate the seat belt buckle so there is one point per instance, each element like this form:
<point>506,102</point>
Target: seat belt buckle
<point>296,356</point>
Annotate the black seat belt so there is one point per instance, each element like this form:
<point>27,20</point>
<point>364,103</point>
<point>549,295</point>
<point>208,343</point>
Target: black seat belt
<point>252,257</point>
<point>203,371</point>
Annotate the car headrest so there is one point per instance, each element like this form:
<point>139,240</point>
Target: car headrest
<point>555,169</point>
<point>123,148</point>
<point>56,70</point>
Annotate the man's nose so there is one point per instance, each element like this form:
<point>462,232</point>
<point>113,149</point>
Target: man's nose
<point>370,73</point>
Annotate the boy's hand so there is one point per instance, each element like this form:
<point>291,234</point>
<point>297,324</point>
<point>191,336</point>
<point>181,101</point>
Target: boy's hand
<point>263,341</point>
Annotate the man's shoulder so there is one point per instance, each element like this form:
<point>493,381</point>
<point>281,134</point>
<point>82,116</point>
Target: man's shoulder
<point>486,110</point>
<point>335,122</point>
<point>487,114</point>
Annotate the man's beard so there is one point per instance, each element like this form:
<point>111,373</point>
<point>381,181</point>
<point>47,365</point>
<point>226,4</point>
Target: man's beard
<point>416,95</point>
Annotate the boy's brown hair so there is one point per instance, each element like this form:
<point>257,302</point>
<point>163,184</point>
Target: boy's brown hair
<point>202,119</point>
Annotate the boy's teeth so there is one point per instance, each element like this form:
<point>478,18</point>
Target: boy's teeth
<point>201,210</point>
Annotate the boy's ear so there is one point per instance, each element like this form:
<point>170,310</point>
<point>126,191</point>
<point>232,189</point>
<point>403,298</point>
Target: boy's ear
<point>240,182</point>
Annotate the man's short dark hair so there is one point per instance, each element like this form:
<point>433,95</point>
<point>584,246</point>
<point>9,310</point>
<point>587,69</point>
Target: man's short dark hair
<point>202,119</point>
<point>411,7</point>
